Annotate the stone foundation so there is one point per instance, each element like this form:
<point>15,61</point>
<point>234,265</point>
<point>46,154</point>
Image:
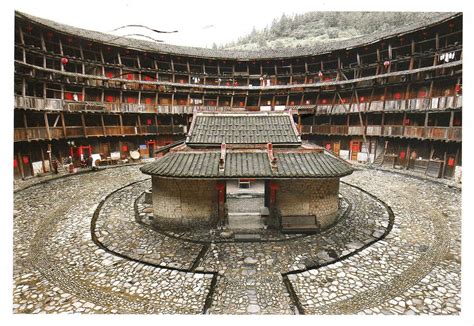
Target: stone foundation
<point>318,197</point>
<point>184,203</point>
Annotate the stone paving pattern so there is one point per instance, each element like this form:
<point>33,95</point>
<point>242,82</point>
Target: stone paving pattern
<point>58,268</point>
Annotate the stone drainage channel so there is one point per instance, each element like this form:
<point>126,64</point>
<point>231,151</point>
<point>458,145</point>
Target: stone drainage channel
<point>249,286</point>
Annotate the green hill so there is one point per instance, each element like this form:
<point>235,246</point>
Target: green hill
<point>316,27</point>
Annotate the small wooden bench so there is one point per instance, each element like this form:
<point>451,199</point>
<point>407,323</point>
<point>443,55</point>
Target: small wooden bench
<point>300,223</point>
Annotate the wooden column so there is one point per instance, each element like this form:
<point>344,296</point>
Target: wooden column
<point>26,126</point>
<point>20,164</point>
<point>42,159</point>
<point>46,123</point>
<point>103,125</point>
<point>121,123</point>
<point>83,124</point>
<point>61,114</point>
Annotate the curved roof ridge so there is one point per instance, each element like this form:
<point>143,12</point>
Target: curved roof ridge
<point>165,48</point>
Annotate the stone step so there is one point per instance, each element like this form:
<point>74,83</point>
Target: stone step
<point>245,221</point>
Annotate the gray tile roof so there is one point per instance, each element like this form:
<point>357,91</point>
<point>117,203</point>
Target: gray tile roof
<point>242,128</point>
<point>248,165</point>
<point>318,48</point>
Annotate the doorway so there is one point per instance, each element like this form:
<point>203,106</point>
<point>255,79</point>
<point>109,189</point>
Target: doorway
<point>245,200</point>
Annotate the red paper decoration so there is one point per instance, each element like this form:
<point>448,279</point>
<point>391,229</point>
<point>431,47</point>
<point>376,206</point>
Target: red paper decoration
<point>15,163</point>
<point>64,61</point>
<point>386,64</point>
<point>26,160</point>
<point>402,155</point>
<point>451,161</point>
<point>148,121</point>
<point>124,148</point>
<point>397,96</point>
<point>361,99</point>
<point>109,98</point>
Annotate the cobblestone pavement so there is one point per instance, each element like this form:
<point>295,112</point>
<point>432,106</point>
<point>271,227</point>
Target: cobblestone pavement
<point>344,270</point>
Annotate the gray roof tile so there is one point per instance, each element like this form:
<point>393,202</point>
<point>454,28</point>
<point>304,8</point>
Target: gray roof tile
<point>243,129</point>
<point>248,165</point>
<point>317,48</point>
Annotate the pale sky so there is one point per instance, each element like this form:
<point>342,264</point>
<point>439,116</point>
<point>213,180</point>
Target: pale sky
<point>199,22</point>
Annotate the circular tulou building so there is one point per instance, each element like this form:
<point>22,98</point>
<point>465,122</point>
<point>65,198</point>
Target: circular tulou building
<point>214,176</point>
<point>391,98</point>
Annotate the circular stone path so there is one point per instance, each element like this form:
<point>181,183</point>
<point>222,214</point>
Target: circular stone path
<point>78,248</point>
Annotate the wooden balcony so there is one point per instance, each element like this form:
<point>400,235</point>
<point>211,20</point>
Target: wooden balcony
<point>394,105</point>
<point>393,130</point>
<point>322,129</point>
<point>374,131</point>
<point>20,134</point>
<point>113,130</point>
<point>94,131</point>
<point>339,130</point>
<point>356,130</point>
<point>36,133</point>
<point>376,106</point>
<point>437,132</point>
<point>74,132</point>
<point>455,133</point>
<point>41,133</point>
<point>414,132</point>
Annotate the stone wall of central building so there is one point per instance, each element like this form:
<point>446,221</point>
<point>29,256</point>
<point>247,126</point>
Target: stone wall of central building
<point>318,197</point>
<point>181,203</point>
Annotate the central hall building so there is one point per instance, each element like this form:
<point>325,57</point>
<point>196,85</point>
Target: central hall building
<point>245,170</point>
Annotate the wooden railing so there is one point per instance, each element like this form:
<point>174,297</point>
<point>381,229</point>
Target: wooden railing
<point>437,132</point>
<point>455,133</point>
<point>393,130</point>
<point>374,130</point>
<point>356,130</point>
<point>41,133</point>
<point>416,104</point>
<point>75,131</point>
<point>414,132</point>
<point>339,130</point>
<point>113,130</point>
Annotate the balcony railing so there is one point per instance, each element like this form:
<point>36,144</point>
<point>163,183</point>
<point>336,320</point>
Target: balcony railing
<point>414,132</point>
<point>437,132</point>
<point>455,133</point>
<point>374,130</point>
<point>393,130</point>
<point>356,130</point>
<point>417,104</point>
<point>41,133</point>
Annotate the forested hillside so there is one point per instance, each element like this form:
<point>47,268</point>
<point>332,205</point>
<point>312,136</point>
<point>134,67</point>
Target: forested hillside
<point>315,27</point>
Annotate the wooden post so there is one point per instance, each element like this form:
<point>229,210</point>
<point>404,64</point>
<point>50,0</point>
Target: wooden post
<point>26,126</point>
<point>20,164</point>
<point>50,155</point>
<point>61,114</point>
<point>83,124</point>
<point>121,124</point>
<point>444,162</point>
<point>407,156</point>
<point>42,159</point>
<point>103,125</point>
<point>46,123</point>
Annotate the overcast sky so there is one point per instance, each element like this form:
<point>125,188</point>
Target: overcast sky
<point>199,22</point>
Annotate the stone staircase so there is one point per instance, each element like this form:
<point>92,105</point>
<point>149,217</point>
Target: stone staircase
<point>245,220</point>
